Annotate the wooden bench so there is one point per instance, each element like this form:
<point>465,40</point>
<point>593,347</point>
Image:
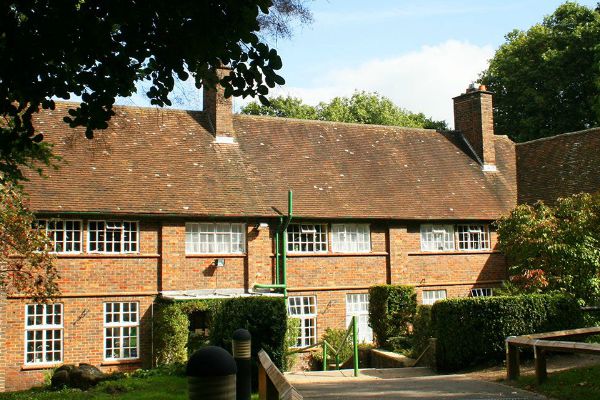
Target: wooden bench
<point>272,384</point>
<point>541,345</point>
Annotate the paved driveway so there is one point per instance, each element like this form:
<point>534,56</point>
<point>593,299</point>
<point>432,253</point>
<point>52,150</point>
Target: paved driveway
<point>400,383</point>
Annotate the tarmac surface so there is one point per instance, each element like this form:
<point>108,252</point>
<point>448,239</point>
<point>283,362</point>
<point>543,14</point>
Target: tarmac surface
<point>400,383</point>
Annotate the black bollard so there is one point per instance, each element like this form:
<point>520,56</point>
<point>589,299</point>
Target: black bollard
<point>242,353</point>
<point>211,374</point>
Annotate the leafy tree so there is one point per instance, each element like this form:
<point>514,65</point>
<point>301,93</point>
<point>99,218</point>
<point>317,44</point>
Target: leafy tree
<point>99,49</point>
<point>555,248</point>
<point>26,267</point>
<point>362,107</point>
<point>546,79</point>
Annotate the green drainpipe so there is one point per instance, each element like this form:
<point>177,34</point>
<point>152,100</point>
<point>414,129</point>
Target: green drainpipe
<point>285,243</point>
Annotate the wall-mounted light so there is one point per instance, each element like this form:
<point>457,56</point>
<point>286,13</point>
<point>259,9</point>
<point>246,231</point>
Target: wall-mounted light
<point>219,262</point>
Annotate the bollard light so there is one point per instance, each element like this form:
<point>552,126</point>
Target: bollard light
<point>211,373</point>
<point>242,352</point>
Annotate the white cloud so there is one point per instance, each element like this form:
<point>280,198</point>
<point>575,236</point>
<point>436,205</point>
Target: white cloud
<point>420,81</point>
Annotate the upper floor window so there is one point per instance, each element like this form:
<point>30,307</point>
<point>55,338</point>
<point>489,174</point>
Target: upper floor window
<point>43,333</point>
<point>214,238</point>
<point>350,238</point>
<point>113,236</point>
<point>64,234</point>
<point>437,237</point>
<point>473,237</point>
<point>307,238</point>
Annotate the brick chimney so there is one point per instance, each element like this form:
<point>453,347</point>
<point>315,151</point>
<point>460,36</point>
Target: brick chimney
<point>218,109</point>
<point>474,118</point>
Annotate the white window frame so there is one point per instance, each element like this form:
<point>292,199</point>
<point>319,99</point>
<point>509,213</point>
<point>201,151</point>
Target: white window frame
<point>437,294</point>
<point>122,242</point>
<point>298,238</point>
<point>121,326</point>
<point>482,292</point>
<point>350,238</point>
<point>360,310</point>
<point>46,225</point>
<point>308,319</point>
<point>473,237</point>
<point>434,235</point>
<point>214,234</point>
<point>44,328</point>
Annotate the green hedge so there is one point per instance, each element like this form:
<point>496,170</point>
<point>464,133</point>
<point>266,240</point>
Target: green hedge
<point>391,308</point>
<point>472,330</point>
<point>422,330</point>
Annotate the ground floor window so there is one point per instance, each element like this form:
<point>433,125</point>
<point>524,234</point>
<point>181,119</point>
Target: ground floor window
<point>304,308</point>
<point>431,296</point>
<point>121,330</point>
<point>357,305</point>
<point>43,333</point>
<point>482,292</point>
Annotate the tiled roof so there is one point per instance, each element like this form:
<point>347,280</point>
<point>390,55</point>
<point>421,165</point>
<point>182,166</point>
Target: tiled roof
<point>559,166</point>
<point>154,161</point>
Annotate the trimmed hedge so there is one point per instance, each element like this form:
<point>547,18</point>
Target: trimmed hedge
<point>422,330</point>
<point>391,308</point>
<point>472,330</point>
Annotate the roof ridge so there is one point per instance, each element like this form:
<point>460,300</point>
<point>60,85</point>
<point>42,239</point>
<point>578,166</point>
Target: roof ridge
<point>574,133</point>
<point>134,107</point>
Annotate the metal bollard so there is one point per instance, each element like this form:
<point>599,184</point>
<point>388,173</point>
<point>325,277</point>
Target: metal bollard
<point>211,374</point>
<point>242,341</point>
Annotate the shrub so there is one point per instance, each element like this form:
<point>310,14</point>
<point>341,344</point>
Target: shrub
<point>473,330</point>
<point>391,308</point>
<point>291,336</point>
<point>422,330</point>
<point>335,337</point>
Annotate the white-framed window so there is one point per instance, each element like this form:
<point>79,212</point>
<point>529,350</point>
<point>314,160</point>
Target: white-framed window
<point>482,292</point>
<point>43,333</point>
<point>473,237</point>
<point>350,238</point>
<point>305,309</point>
<point>121,330</point>
<point>431,296</point>
<point>436,237</point>
<point>307,238</point>
<point>215,238</point>
<point>357,305</point>
<point>113,236</point>
<point>65,234</point>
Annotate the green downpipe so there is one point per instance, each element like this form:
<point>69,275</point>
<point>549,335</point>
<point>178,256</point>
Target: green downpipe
<point>325,356</point>
<point>285,244</point>
<point>277,256</point>
<point>355,344</point>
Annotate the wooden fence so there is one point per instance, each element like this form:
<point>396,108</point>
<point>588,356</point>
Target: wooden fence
<point>272,384</point>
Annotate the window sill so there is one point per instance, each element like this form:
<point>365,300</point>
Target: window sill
<point>108,363</point>
<point>106,255</point>
<point>450,252</point>
<point>35,367</point>
<point>216,255</point>
<point>358,254</point>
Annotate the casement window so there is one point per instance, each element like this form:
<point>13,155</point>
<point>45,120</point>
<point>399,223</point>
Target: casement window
<point>121,330</point>
<point>43,333</point>
<point>215,238</point>
<point>307,238</point>
<point>437,237</point>
<point>473,237</point>
<point>64,234</point>
<point>482,292</point>
<point>357,305</point>
<point>304,308</point>
<point>113,236</point>
<point>431,296</point>
<point>350,238</point>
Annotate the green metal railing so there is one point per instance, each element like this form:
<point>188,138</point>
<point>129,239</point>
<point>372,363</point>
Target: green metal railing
<point>328,348</point>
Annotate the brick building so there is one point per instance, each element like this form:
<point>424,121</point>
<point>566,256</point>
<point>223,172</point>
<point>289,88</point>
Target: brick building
<point>187,204</point>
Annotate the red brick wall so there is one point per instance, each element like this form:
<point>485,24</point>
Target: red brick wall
<point>473,116</point>
<point>3,327</point>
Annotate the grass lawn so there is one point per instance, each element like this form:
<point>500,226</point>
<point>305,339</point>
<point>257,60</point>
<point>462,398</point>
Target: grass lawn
<point>577,383</point>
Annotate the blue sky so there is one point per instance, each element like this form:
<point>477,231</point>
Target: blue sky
<point>418,53</point>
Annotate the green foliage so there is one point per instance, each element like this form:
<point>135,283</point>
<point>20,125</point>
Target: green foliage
<point>361,108</point>
<point>48,51</point>
<point>576,383</point>
<point>555,248</point>
<point>391,308</point>
<point>472,330</point>
<point>291,336</point>
<point>422,330</point>
<point>546,79</point>
<point>264,317</point>
<point>335,337</point>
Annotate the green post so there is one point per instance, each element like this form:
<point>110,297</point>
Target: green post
<point>324,356</point>
<point>355,344</point>
<point>337,361</point>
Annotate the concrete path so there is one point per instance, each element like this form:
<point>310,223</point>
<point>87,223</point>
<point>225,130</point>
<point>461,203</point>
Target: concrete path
<point>400,383</point>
